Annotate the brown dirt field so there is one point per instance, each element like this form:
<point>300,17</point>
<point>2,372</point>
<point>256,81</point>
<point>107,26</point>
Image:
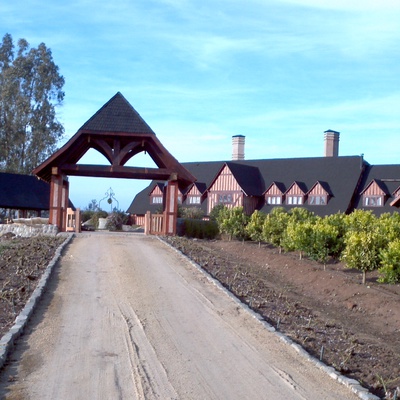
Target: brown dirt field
<point>358,326</point>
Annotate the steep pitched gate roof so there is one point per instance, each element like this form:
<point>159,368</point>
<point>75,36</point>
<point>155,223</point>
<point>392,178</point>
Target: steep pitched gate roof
<point>118,132</point>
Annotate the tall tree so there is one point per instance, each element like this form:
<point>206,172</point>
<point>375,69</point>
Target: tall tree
<point>30,90</point>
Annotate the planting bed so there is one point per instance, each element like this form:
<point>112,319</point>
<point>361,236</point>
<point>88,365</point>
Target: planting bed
<point>22,262</point>
<point>355,328</point>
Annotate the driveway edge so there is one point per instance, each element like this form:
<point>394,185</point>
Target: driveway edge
<point>8,340</point>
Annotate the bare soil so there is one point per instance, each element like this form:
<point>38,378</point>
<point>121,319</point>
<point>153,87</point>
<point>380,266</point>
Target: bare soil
<point>22,262</point>
<point>352,327</point>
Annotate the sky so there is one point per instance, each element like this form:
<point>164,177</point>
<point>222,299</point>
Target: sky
<point>280,72</point>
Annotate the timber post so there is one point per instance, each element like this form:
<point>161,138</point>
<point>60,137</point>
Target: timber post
<point>59,194</point>
<point>170,206</point>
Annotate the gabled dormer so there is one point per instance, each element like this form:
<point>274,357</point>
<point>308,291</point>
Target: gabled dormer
<point>196,193</point>
<point>319,194</point>
<point>156,194</point>
<point>375,194</point>
<point>396,195</point>
<point>274,195</point>
<point>296,194</point>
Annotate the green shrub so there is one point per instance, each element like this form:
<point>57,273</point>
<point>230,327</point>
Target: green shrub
<point>192,213</point>
<point>197,228</point>
<point>361,251</point>
<point>215,212</point>
<point>275,225</point>
<point>255,226</point>
<point>233,221</point>
<point>390,263</point>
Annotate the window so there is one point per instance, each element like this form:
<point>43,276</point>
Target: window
<point>156,199</point>
<point>194,200</point>
<point>295,200</point>
<point>317,200</point>
<point>373,201</point>
<point>224,198</point>
<point>274,199</point>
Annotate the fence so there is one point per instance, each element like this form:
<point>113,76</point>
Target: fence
<point>154,224</point>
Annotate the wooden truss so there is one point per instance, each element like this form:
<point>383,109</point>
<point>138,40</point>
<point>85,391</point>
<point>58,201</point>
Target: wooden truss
<point>118,147</point>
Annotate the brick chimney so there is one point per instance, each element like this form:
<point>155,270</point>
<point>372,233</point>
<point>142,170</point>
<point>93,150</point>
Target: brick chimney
<point>331,139</point>
<point>238,147</point>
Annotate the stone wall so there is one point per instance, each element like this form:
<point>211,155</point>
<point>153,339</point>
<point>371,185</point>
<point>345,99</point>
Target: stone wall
<point>25,230</point>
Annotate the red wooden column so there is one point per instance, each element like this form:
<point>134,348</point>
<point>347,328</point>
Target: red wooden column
<point>59,193</point>
<point>171,207</point>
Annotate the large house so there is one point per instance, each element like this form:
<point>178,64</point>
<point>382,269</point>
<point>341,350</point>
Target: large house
<point>323,185</point>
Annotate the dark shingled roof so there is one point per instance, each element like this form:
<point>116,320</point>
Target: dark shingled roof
<point>248,177</point>
<point>340,174</point>
<point>23,192</point>
<point>388,179</point>
<point>117,115</point>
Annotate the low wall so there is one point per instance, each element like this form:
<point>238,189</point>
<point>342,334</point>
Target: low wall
<point>25,230</point>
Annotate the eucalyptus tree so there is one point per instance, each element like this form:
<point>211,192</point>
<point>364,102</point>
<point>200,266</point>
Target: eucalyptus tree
<point>31,88</point>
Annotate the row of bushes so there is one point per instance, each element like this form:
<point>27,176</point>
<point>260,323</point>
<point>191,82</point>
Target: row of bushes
<point>361,240</point>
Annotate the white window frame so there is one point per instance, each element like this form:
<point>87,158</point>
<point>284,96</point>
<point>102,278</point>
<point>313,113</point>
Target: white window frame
<point>274,200</point>
<point>373,201</point>
<point>294,200</point>
<point>156,199</point>
<point>317,200</point>
<point>194,199</point>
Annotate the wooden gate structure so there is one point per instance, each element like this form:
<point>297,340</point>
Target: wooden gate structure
<point>119,133</point>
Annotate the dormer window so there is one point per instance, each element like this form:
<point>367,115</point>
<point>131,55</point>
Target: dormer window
<point>317,200</point>
<point>396,195</point>
<point>194,199</point>
<point>156,199</point>
<point>319,194</point>
<point>274,194</point>
<point>156,195</point>
<point>373,201</point>
<point>294,200</point>
<point>295,195</point>
<point>273,200</point>
<point>374,195</point>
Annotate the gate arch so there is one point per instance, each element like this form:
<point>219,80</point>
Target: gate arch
<point>118,132</point>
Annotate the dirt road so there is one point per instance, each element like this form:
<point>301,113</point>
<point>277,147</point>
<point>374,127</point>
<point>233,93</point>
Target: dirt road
<point>126,317</point>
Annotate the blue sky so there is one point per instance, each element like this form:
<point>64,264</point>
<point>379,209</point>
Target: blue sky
<point>279,72</point>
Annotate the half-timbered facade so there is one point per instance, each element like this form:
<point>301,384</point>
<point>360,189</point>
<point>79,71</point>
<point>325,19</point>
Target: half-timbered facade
<point>323,185</point>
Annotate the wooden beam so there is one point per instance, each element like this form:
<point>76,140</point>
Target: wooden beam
<point>116,171</point>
